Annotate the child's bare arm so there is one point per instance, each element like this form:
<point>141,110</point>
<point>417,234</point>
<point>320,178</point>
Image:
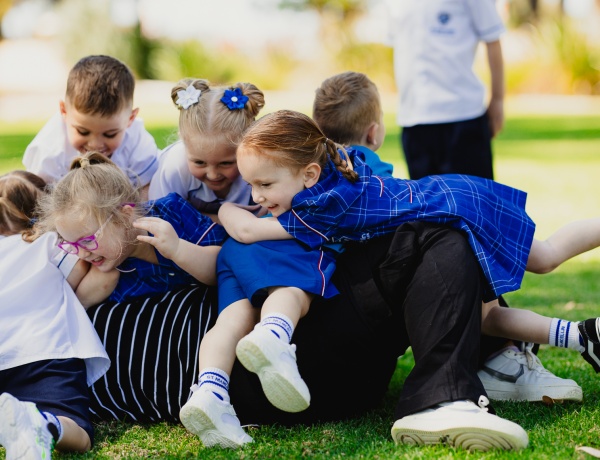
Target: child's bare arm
<point>91,286</point>
<point>496,105</point>
<point>96,286</point>
<point>245,227</point>
<point>198,261</point>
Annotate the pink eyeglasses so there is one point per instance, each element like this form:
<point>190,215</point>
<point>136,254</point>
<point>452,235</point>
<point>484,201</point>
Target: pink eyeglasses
<point>89,243</point>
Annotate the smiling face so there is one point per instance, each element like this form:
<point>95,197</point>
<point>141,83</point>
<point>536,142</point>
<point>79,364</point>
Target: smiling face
<point>273,186</point>
<point>213,161</point>
<point>92,132</point>
<point>114,245</point>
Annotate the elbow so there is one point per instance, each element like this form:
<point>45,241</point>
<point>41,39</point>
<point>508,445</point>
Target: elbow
<point>244,235</point>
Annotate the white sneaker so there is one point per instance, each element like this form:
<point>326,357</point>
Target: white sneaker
<point>520,376</point>
<point>24,430</point>
<point>460,424</point>
<point>274,361</point>
<point>213,420</point>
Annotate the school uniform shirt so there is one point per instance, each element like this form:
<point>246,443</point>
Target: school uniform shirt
<point>42,318</point>
<point>173,175</point>
<point>49,155</point>
<point>491,214</point>
<point>434,44</point>
<point>139,277</point>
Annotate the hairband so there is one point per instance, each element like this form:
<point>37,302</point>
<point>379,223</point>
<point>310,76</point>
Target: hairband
<point>188,97</point>
<point>234,99</point>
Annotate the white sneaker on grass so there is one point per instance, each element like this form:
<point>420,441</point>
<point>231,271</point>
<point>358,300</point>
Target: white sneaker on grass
<point>24,430</point>
<point>274,361</point>
<point>213,420</point>
<point>460,424</point>
<point>521,376</point>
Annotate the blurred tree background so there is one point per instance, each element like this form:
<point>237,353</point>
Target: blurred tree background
<point>546,50</point>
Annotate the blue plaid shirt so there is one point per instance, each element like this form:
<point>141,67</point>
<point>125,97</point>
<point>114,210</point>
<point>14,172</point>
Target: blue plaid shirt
<point>139,277</point>
<point>493,215</point>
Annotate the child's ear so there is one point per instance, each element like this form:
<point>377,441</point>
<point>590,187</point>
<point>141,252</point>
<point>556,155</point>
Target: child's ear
<point>134,113</point>
<point>372,134</point>
<point>62,107</point>
<point>312,172</point>
<point>128,209</point>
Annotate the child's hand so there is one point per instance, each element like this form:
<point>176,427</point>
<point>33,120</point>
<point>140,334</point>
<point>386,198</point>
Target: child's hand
<point>165,238</point>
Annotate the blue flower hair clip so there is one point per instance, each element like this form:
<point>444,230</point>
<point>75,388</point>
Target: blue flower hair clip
<point>188,97</point>
<point>234,99</point>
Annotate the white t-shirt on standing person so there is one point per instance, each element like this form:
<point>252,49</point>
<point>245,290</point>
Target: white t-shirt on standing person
<point>434,43</point>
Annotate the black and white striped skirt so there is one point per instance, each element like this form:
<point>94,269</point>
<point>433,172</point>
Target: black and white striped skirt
<point>153,346</point>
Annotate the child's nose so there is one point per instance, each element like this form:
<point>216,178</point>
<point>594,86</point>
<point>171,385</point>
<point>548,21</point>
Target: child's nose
<point>212,173</point>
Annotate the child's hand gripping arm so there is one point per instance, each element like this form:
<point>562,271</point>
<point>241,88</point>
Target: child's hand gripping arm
<point>245,227</point>
<point>91,286</point>
<point>198,261</point>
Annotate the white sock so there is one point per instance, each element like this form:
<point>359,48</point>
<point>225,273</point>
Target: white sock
<point>216,380</point>
<point>280,325</point>
<point>564,334</point>
<point>55,422</point>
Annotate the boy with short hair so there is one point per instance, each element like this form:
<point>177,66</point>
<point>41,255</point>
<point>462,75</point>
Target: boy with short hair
<point>97,114</point>
<point>347,108</point>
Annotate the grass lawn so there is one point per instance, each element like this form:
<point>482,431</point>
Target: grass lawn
<point>557,161</point>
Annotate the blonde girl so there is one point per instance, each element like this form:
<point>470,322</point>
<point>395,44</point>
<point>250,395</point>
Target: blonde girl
<point>201,167</point>
<point>151,247</point>
<point>49,351</point>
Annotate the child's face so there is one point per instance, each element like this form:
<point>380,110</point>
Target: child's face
<point>87,132</point>
<point>273,187</point>
<point>213,162</point>
<point>112,249</point>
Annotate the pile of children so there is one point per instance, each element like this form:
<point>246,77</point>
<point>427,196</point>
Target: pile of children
<point>96,236</point>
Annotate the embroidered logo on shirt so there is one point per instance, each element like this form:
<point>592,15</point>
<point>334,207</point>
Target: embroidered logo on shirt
<point>442,27</point>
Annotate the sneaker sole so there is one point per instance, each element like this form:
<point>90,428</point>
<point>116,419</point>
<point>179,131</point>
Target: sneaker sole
<point>475,439</point>
<point>199,423</point>
<point>279,391</point>
<point>557,394</point>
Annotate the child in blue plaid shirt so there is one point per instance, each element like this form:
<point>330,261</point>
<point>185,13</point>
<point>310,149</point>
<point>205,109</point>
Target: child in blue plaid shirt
<point>319,195</point>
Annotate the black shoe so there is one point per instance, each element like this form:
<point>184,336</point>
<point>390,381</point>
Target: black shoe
<point>588,334</point>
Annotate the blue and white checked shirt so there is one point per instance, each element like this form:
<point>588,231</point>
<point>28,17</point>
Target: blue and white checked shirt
<point>139,277</point>
<point>493,215</point>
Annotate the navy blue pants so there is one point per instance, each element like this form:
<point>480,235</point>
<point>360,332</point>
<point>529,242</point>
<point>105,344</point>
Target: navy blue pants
<point>462,147</point>
<point>57,386</point>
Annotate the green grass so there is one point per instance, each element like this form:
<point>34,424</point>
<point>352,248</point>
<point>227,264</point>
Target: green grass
<point>557,161</point>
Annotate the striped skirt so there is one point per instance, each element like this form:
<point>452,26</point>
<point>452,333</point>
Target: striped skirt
<point>153,344</point>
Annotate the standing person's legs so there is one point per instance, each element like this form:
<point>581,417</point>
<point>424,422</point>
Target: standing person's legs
<point>462,147</point>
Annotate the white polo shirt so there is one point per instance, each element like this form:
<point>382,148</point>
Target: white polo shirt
<point>41,316</point>
<point>434,45</point>
<point>49,155</point>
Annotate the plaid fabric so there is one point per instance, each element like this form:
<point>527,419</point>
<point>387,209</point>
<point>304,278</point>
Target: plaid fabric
<point>493,215</point>
<point>139,277</point>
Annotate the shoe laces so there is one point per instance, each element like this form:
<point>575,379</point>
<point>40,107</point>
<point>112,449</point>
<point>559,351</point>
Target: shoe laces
<point>533,362</point>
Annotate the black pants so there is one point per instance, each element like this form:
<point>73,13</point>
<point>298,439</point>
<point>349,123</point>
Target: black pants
<point>419,287</point>
<point>463,147</point>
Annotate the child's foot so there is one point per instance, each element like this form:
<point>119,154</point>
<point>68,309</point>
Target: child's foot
<point>213,420</point>
<point>274,361</point>
<point>589,331</point>
<point>24,430</point>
